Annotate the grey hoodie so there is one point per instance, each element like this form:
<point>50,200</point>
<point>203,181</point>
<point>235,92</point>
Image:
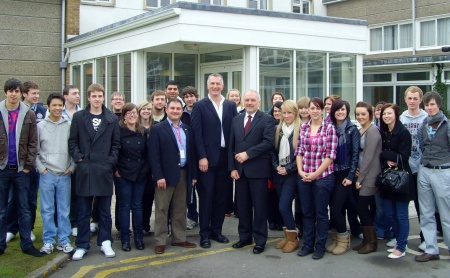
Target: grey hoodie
<point>412,123</point>
<point>53,147</point>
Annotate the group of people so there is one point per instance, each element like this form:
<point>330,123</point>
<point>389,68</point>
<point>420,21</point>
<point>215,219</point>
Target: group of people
<point>165,150</point>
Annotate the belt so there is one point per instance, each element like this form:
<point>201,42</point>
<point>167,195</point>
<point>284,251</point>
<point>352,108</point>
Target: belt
<point>11,166</point>
<point>436,167</point>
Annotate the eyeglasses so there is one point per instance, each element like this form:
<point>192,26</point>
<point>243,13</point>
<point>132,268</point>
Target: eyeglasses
<point>131,113</point>
<point>117,99</point>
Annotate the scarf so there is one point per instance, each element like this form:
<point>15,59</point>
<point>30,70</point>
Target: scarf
<point>436,118</point>
<point>284,155</point>
<point>341,150</point>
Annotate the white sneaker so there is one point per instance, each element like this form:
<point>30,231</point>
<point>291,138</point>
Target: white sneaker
<point>422,246</point>
<point>32,236</point>
<point>107,249</point>
<point>47,248</point>
<point>392,243</point>
<point>78,255</point>
<point>94,227</point>
<point>75,231</point>
<point>66,248</point>
<point>9,236</point>
<point>190,224</point>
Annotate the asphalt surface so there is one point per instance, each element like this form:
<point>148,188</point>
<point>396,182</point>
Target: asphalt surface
<point>221,260</point>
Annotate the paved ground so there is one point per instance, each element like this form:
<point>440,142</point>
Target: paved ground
<point>221,260</point>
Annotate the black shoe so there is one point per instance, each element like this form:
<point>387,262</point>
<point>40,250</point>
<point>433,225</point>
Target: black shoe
<point>258,249</point>
<point>126,246</point>
<point>242,243</point>
<point>272,227</point>
<point>139,245</point>
<point>219,238</point>
<point>318,254</point>
<point>205,242</point>
<point>32,251</point>
<point>304,252</point>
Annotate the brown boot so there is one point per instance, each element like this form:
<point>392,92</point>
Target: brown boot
<point>370,236</point>
<point>333,244</point>
<point>282,243</point>
<point>292,243</point>
<point>343,244</point>
<point>364,241</point>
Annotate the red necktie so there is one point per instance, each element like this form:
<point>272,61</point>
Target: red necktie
<point>247,125</point>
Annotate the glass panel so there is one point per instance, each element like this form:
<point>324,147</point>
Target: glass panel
<point>76,71</point>
<point>217,2</point>
<point>390,37</point>
<point>427,33</point>
<point>111,75</point>
<point>263,4</point>
<point>221,56</point>
<point>100,72</point>
<point>377,77</point>
<point>306,7</point>
<point>400,95</point>
<point>253,4</point>
<point>311,74</point>
<point>405,35</point>
<point>225,83</point>
<point>158,71</point>
<point>87,77</point>
<point>165,3</point>
<point>375,94</point>
<point>443,28</point>
<point>376,39</point>
<point>413,76</point>
<point>275,71</point>
<point>343,77</point>
<point>151,3</point>
<point>296,9</point>
<point>237,80</point>
<point>185,70</point>
<point>125,76</point>
<point>446,75</point>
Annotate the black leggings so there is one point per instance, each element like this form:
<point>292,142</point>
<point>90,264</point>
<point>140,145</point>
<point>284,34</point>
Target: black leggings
<point>339,198</point>
<point>366,209</point>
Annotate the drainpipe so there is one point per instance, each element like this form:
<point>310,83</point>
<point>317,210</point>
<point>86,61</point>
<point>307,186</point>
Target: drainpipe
<point>63,63</point>
<point>414,25</point>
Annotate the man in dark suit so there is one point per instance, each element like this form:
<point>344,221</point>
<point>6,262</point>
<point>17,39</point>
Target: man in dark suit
<point>211,122</point>
<point>172,160</point>
<point>251,138</point>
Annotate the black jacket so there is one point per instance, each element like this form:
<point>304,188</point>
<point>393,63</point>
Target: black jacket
<point>352,139</point>
<point>132,164</point>
<point>291,167</point>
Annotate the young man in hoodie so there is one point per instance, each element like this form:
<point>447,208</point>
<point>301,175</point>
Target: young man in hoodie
<point>412,119</point>
<point>55,167</point>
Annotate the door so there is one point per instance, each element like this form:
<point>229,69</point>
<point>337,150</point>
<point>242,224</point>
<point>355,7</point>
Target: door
<point>231,73</point>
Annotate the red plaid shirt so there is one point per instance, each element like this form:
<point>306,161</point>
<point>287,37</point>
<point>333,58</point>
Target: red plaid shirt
<point>315,149</point>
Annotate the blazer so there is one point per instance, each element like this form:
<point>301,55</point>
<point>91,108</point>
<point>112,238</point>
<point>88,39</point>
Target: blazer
<point>164,156</point>
<point>258,142</point>
<point>98,151</point>
<point>207,129</point>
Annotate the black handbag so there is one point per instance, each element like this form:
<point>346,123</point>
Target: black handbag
<point>394,180</point>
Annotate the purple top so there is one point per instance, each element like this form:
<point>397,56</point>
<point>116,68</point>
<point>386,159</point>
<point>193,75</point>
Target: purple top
<point>12,122</point>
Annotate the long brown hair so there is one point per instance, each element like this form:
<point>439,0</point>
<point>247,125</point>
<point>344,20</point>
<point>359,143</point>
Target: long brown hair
<point>383,126</point>
<point>126,108</point>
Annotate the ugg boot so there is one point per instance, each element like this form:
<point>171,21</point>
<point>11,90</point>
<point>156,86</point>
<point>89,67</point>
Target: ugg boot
<point>292,243</point>
<point>282,243</point>
<point>371,241</point>
<point>364,241</point>
<point>333,244</point>
<point>343,244</point>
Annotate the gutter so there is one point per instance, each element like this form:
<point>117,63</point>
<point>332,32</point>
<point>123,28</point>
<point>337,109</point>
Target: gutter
<point>63,61</point>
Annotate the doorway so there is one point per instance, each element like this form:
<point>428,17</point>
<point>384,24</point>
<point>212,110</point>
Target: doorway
<point>231,73</point>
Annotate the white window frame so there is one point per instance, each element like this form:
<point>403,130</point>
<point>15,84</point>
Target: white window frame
<point>158,5</point>
<point>211,2</point>
<point>258,4</point>
<point>109,3</point>
<point>399,48</point>
<point>419,31</point>
<point>300,5</point>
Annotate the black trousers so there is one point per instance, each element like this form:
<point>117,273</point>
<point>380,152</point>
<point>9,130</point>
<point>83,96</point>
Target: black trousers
<point>147,204</point>
<point>366,209</point>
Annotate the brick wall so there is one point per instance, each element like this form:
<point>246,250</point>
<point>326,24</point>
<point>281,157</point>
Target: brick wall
<point>72,17</point>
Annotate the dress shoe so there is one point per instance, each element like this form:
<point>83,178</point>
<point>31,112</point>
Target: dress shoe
<point>185,244</point>
<point>159,249</point>
<point>393,256</point>
<point>242,243</point>
<point>32,251</point>
<point>139,245</point>
<point>304,252</point>
<point>219,238</point>
<point>205,242</point>
<point>258,249</point>
<point>126,246</point>
<point>318,254</point>
<point>425,257</point>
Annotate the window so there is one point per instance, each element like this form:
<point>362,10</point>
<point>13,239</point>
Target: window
<point>391,37</point>
<point>435,32</point>
<point>98,2</point>
<point>156,3</point>
<point>211,2</point>
<point>258,4</point>
<point>301,6</point>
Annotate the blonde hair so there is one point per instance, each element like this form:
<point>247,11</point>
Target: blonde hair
<point>289,106</point>
<point>240,97</point>
<point>141,106</point>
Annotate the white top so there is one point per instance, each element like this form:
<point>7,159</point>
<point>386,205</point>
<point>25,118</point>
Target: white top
<point>219,110</point>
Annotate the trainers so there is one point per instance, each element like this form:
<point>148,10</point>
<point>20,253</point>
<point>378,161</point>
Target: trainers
<point>422,246</point>
<point>47,248</point>
<point>9,236</point>
<point>66,248</point>
<point>190,224</point>
<point>75,231</point>
<point>32,236</point>
<point>94,227</point>
<point>391,243</point>
<point>107,249</point>
<point>78,254</point>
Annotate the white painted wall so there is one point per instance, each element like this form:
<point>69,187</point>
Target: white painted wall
<point>319,8</point>
<point>238,3</point>
<point>282,6</point>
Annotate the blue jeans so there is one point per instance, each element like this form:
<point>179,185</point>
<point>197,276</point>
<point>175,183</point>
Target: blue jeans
<point>381,221</point>
<point>287,190</point>
<point>398,213</point>
<point>314,198</point>
<point>59,186</point>
<point>130,194</point>
<point>20,182</point>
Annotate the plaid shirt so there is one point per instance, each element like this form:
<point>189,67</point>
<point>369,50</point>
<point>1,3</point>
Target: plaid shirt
<point>315,149</point>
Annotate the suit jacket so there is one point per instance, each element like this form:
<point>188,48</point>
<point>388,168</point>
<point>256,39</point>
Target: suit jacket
<point>258,142</point>
<point>99,152</point>
<point>164,156</point>
<point>207,129</point>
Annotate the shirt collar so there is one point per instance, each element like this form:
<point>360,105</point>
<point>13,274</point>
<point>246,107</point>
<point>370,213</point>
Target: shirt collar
<point>171,123</point>
<point>221,98</point>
